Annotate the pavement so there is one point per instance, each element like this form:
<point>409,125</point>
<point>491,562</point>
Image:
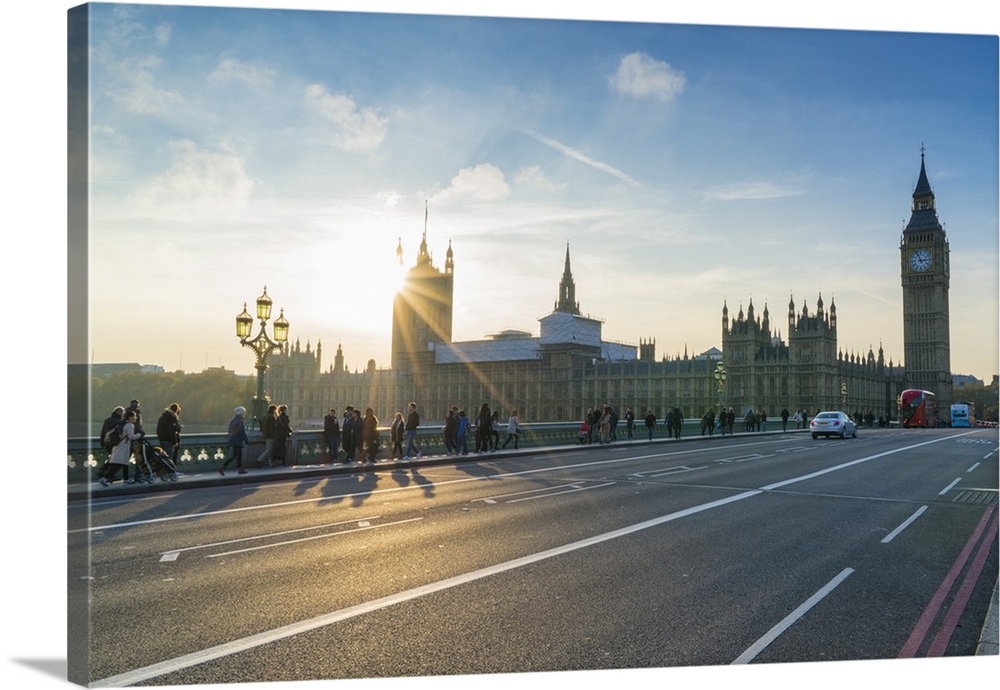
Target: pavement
<point>208,477</point>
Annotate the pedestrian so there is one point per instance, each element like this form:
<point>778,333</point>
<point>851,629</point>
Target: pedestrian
<point>708,422</point>
<point>347,433</point>
<point>604,424</point>
<point>267,424</point>
<point>113,422</point>
<point>730,419</point>
<point>513,430</point>
<point>369,433</point>
<point>650,423</point>
<point>412,423</point>
<point>397,434</point>
<point>331,430</point>
<point>483,431</point>
<point>135,449</point>
<point>613,422</point>
<point>593,422</point>
<point>629,422</point>
<point>495,430</point>
<point>784,419</point>
<point>168,430</point>
<point>358,435</point>
<point>238,440</point>
<point>763,420</point>
<point>677,420</point>
<point>121,453</point>
<point>450,427</point>
<point>282,430</point>
<point>797,419</point>
<point>462,434</point>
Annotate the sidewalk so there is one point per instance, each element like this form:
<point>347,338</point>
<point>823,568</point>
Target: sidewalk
<point>208,477</point>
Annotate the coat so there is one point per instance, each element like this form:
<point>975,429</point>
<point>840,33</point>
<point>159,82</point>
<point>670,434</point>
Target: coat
<point>238,432</point>
<point>122,453</point>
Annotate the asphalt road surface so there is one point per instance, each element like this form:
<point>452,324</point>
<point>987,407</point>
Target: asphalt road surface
<point>751,549</point>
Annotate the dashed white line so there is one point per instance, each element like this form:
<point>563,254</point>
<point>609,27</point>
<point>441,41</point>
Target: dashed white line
<point>789,620</point>
<point>896,532</point>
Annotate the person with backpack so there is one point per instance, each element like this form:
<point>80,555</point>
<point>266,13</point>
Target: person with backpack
<point>121,454</point>
<point>650,423</point>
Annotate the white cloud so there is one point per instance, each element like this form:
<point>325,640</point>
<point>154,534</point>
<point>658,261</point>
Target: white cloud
<point>353,129</point>
<point>642,76</point>
<point>196,181</point>
<point>532,177</point>
<point>587,160</point>
<point>484,182</point>
<point>136,88</point>
<point>232,70</point>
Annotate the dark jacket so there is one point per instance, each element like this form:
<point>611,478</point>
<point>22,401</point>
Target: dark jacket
<point>331,425</point>
<point>412,421</point>
<point>238,432</point>
<point>267,425</point>
<point>168,427</point>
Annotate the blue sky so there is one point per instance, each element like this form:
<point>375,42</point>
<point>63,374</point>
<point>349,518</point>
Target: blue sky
<point>686,166</point>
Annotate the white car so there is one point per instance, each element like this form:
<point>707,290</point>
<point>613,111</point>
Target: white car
<point>833,424</point>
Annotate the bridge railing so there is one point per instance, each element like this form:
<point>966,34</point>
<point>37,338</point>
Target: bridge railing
<point>205,452</point>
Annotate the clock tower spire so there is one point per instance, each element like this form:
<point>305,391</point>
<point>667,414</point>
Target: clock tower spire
<point>925,275</point>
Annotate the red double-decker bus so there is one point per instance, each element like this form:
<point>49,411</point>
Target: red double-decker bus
<point>918,408</point>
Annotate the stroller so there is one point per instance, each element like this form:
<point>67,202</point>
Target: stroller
<point>152,462</point>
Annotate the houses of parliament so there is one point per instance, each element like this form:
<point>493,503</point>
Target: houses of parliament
<point>569,367</point>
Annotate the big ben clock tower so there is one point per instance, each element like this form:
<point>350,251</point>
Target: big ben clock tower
<point>924,267</point>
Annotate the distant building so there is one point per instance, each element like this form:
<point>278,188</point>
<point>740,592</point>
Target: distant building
<point>960,381</point>
<point>570,367</point>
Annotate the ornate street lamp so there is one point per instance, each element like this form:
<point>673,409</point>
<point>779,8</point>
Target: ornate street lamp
<point>262,345</point>
<point>720,380</point>
<point>843,395</point>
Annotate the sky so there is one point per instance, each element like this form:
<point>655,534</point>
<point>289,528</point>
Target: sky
<point>684,166</point>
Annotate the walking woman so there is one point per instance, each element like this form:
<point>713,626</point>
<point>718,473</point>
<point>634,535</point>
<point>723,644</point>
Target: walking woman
<point>121,454</point>
<point>513,430</point>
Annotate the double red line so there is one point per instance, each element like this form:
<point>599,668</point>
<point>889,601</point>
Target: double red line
<point>950,622</point>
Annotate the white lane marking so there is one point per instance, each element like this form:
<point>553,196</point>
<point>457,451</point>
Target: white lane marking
<point>169,557</point>
<point>560,493</point>
<point>540,470</point>
<point>837,468</point>
<point>789,620</point>
<point>494,499</point>
<point>973,467</point>
<point>948,488</point>
<point>896,532</point>
<point>363,527</point>
<point>283,533</point>
<point>205,655</point>
<point>655,474</point>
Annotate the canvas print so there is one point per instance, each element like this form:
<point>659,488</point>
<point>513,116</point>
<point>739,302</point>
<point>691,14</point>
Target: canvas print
<point>428,346</point>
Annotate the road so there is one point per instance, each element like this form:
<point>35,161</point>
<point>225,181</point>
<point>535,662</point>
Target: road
<point>751,549</point>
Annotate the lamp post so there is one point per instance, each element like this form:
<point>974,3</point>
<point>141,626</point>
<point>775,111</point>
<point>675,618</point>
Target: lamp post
<point>843,396</point>
<point>262,345</point>
<point>720,380</point>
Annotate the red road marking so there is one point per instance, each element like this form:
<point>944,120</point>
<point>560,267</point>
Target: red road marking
<point>923,626</point>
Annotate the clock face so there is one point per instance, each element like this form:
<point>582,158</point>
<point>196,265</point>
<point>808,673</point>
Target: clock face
<point>920,260</point>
